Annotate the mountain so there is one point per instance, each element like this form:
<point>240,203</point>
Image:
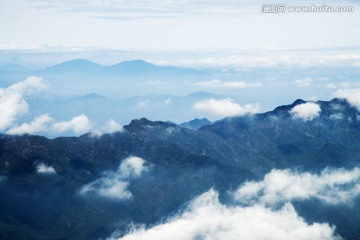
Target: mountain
<point>11,67</point>
<point>126,68</point>
<point>180,164</point>
<point>79,66</point>
<point>196,123</point>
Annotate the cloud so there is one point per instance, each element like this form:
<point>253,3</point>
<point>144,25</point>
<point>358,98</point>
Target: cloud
<point>330,85</point>
<point>142,104</point>
<point>306,82</point>
<point>114,185</point>
<point>12,100</point>
<point>224,107</point>
<point>230,84</point>
<point>39,124</point>
<point>112,126</point>
<point>168,101</point>
<point>352,96</point>
<point>262,209</point>
<point>206,218</point>
<point>306,111</point>
<point>42,168</point>
<point>156,82</point>
<point>109,127</point>
<point>280,186</point>
<point>79,124</point>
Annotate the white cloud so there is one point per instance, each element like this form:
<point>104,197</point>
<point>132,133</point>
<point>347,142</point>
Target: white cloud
<point>12,100</point>
<point>42,168</point>
<point>168,101</point>
<point>142,104</point>
<point>351,95</point>
<point>306,111</point>
<point>337,116</point>
<point>225,107</point>
<point>279,186</point>
<point>108,187</point>
<point>131,167</point>
<point>114,185</point>
<point>306,82</point>
<point>228,84</point>
<point>156,82</point>
<point>79,124</point>
<point>110,126</point>
<point>39,124</point>
<point>330,85</point>
<point>206,218</point>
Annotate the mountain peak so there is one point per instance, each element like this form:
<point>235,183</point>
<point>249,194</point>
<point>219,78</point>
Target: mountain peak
<point>196,123</point>
<point>76,64</point>
<point>140,124</point>
<point>297,102</point>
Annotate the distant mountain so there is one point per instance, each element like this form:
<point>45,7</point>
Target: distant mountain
<point>196,123</point>
<point>142,67</point>
<point>182,163</point>
<point>126,68</point>
<point>11,67</point>
<point>79,66</point>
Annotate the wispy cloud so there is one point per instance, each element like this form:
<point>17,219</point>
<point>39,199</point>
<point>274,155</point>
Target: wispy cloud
<point>305,82</point>
<point>143,104</point>
<point>224,107</point>
<point>306,111</point>
<point>227,84</point>
<point>113,185</point>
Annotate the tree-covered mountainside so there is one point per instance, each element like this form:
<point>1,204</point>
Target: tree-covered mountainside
<point>55,188</point>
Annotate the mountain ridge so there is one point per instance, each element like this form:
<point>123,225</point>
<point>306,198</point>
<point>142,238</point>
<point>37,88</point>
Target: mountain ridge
<point>182,163</point>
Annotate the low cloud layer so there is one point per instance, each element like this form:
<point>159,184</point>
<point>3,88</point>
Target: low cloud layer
<point>306,111</point>
<point>226,107</point>
<point>279,186</point>
<point>227,84</point>
<point>350,95</point>
<point>262,210</point>
<point>207,218</point>
<point>79,124</point>
<point>39,124</point>
<point>13,100</point>
<point>114,185</point>
<point>42,168</point>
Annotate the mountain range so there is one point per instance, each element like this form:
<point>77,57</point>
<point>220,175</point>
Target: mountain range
<point>56,188</point>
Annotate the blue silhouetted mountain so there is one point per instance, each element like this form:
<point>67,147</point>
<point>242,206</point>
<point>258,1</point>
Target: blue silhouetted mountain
<point>134,67</point>
<point>196,123</point>
<point>79,66</point>
<point>11,67</point>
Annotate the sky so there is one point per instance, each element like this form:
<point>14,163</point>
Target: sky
<point>171,31</point>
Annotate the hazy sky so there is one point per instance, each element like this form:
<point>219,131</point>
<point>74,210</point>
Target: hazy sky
<point>172,25</point>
